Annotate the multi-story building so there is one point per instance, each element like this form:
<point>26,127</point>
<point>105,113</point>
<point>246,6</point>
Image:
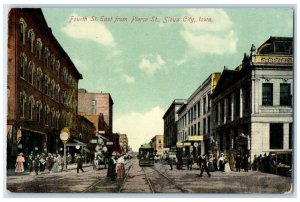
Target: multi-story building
<point>123,141</point>
<point>42,85</point>
<point>252,105</point>
<point>157,143</point>
<point>170,124</point>
<point>92,105</point>
<point>194,118</point>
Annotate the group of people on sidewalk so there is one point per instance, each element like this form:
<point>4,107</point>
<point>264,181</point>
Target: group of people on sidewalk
<point>116,167</point>
<point>40,162</point>
<point>211,163</point>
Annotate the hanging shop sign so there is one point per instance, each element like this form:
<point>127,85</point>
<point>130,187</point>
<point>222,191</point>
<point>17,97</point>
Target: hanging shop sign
<point>186,144</point>
<point>179,144</point>
<point>195,138</point>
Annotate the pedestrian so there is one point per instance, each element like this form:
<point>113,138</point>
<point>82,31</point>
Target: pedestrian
<point>79,162</point>
<point>204,165</point>
<point>42,162</point>
<point>55,167</point>
<point>111,171</point>
<point>30,163</point>
<point>231,161</point>
<point>210,163</point>
<point>49,160</point>
<point>221,162</point>
<point>245,162</point>
<point>226,164</point>
<point>215,162</point>
<point>120,167</point>
<point>238,161</point>
<point>20,163</point>
<point>62,164</point>
<point>36,165</point>
<point>170,161</point>
<point>191,161</point>
<point>254,164</point>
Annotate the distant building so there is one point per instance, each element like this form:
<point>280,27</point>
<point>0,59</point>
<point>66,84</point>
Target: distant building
<point>123,141</point>
<point>194,119</point>
<point>170,123</point>
<point>92,105</point>
<point>157,143</point>
<point>253,105</point>
<point>42,86</point>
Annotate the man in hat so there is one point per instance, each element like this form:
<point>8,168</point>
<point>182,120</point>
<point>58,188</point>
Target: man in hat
<point>203,165</point>
<point>79,162</point>
<point>111,171</point>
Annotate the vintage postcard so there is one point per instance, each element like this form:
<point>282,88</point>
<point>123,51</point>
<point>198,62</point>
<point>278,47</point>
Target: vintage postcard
<point>150,100</point>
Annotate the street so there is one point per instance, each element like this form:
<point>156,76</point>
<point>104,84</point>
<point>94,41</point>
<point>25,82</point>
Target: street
<point>156,179</point>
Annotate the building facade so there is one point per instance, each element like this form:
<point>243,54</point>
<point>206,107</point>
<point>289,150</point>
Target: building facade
<point>123,141</point>
<point>194,119</point>
<point>252,105</point>
<point>42,86</point>
<point>95,104</point>
<point>170,124</point>
<point>157,143</point>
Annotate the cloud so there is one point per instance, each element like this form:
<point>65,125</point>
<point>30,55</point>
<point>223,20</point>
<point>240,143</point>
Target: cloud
<point>151,64</point>
<point>93,31</point>
<point>128,78</point>
<point>140,127</point>
<point>215,37</point>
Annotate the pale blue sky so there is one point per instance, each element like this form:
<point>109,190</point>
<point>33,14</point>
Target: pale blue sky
<point>146,65</point>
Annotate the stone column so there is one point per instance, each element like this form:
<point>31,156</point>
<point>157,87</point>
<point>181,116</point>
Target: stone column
<point>219,112</point>
<point>232,106</point>
<point>225,110</point>
<point>286,136</point>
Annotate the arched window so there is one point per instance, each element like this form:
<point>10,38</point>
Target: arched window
<point>51,89</point>
<point>31,37</point>
<point>46,84</point>
<point>22,30</point>
<point>23,61</point>
<point>30,72</point>
<point>39,46</point>
<point>57,67</point>
<point>39,75</point>
<point>57,119</point>
<point>30,107</point>
<point>38,110</point>
<point>57,93</point>
<point>22,104</point>
<point>65,97</point>
<point>47,55</point>
<point>46,112</point>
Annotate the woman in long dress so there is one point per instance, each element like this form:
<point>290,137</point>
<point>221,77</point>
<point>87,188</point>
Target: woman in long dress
<point>20,163</point>
<point>120,168</point>
<point>227,166</point>
<point>55,168</point>
<point>210,163</point>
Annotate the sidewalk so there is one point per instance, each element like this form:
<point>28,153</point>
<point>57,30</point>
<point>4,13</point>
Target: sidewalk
<point>11,172</point>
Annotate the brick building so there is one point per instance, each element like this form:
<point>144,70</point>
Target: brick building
<point>92,105</point>
<point>157,143</point>
<point>252,104</point>
<point>170,124</point>
<point>42,85</point>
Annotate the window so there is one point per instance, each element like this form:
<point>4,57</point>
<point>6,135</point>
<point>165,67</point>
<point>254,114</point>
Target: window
<point>39,48</point>
<point>30,107</point>
<point>94,102</point>
<point>208,102</point>
<point>46,83</point>
<point>290,136</point>
<point>267,94</point>
<point>198,109</point>
<point>285,94</point>
<point>237,103</point>
<point>204,105</point>
<point>57,66</point>
<point>208,124</point>
<point>276,136</point>
<point>30,40</point>
<point>22,104</point>
<point>57,120</point>
<point>38,111</point>
<point>30,72</point>
<point>222,111</point>
<point>93,111</point>
<point>22,31</point>
<point>198,128</point>
<point>229,107</point>
<point>204,126</point>
<point>23,60</point>
<point>46,111</point>
<point>38,78</point>
<point>217,113</point>
<point>51,118</point>
<point>47,55</point>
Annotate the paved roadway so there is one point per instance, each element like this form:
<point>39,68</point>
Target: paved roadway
<point>157,179</point>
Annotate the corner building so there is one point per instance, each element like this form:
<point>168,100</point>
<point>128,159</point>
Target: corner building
<point>252,105</point>
<point>42,85</point>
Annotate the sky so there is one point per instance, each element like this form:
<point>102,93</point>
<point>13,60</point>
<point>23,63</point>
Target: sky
<point>147,57</point>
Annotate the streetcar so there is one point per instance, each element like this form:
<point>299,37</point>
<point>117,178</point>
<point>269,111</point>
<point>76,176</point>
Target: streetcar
<point>146,155</point>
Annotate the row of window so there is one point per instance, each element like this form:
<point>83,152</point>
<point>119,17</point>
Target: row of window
<point>55,64</point>
<point>42,113</point>
<point>285,98</point>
